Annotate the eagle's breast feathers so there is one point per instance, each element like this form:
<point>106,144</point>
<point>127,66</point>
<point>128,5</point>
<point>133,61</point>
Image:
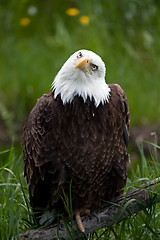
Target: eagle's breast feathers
<point>80,142</point>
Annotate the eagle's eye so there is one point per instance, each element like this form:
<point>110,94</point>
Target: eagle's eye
<point>79,55</point>
<point>94,67</point>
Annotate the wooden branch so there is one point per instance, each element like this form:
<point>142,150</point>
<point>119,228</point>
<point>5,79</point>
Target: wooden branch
<point>122,207</point>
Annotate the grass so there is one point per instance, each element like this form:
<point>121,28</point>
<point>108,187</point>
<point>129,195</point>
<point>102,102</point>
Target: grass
<point>16,215</point>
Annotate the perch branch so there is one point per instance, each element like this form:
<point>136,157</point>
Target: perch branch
<point>122,207</point>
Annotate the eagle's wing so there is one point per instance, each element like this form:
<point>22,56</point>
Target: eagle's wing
<point>37,161</point>
<point>121,158</point>
<point>119,102</point>
<point>125,112</point>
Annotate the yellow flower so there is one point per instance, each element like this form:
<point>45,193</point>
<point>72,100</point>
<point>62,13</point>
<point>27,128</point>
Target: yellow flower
<point>84,20</point>
<point>24,21</point>
<point>72,12</point>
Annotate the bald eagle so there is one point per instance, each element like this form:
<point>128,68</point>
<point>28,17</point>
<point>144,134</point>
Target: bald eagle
<point>77,132</point>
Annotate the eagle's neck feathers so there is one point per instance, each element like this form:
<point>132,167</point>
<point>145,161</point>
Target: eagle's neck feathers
<point>78,83</point>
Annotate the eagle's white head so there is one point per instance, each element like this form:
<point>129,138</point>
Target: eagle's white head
<point>83,74</point>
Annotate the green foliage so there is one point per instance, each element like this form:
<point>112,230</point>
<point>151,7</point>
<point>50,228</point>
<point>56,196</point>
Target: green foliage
<point>15,212</point>
<point>124,33</point>
<point>16,215</point>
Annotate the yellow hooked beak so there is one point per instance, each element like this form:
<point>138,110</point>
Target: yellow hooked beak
<point>84,64</point>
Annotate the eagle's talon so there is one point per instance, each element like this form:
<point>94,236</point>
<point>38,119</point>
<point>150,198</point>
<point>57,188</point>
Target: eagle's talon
<point>85,235</point>
<point>95,215</point>
<point>91,213</point>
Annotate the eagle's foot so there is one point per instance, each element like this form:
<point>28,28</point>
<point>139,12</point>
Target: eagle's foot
<point>85,235</point>
<point>91,213</point>
<point>80,224</point>
<point>95,215</point>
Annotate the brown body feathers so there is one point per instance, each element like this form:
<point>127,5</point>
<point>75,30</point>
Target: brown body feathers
<point>76,142</point>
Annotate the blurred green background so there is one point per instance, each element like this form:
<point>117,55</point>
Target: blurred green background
<point>37,37</point>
